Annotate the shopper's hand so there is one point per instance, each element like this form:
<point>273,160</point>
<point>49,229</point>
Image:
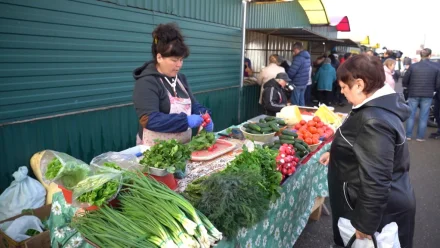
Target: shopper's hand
<point>194,121</point>
<point>361,235</point>
<point>325,158</point>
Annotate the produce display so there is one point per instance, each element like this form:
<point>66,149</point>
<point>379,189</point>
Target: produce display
<point>203,140</point>
<point>313,131</point>
<point>170,221</point>
<point>170,155</point>
<point>328,116</point>
<point>266,125</point>
<point>290,114</point>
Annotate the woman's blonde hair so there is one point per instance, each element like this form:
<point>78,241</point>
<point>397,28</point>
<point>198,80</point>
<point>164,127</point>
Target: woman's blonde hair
<point>389,62</point>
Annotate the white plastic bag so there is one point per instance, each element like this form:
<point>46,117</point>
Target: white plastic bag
<point>17,228</point>
<point>23,193</point>
<point>388,238</point>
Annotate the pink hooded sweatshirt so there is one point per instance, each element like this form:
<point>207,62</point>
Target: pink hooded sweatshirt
<point>389,77</point>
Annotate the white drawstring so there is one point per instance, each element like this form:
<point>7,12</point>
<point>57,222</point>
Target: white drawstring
<point>173,84</point>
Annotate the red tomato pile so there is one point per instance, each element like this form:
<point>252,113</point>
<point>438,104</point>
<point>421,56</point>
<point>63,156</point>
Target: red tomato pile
<point>286,160</point>
<point>313,131</point>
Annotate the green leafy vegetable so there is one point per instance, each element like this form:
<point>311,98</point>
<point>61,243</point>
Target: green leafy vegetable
<point>53,168</point>
<point>72,173</point>
<point>202,141</point>
<point>261,161</point>
<point>32,232</point>
<point>100,194</point>
<point>170,155</point>
<point>112,165</point>
<point>231,200</point>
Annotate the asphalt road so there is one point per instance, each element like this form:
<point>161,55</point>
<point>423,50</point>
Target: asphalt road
<point>425,177</point>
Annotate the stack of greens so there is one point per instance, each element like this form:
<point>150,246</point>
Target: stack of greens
<point>67,174</point>
<point>151,215</point>
<point>202,141</point>
<point>99,188</point>
<point>238,196</point>
<point>170,155</point>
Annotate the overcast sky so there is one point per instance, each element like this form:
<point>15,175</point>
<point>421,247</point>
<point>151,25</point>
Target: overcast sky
<point>396,24</point>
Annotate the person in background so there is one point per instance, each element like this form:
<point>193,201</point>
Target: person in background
<point>299,73</point>
<point>269,72</point>
<point>248,72</point>
<point>388,67</point>
<point>324,78</point>
<point>422,79</point>
<point>284,63</point>
<point>370,53</point>
<point>369,159</point>
<point>337,96</point>
<point>274,98</point>
<point>346,56</point>
<point>162,98</point>
<point>308,93</point>
<point>436,100</point>
<point>388,55</point>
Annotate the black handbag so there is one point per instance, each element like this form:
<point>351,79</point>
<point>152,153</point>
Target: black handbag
<point>353,238</point>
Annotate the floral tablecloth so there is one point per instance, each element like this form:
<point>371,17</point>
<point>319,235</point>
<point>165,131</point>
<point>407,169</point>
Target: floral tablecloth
<point>281,227</point>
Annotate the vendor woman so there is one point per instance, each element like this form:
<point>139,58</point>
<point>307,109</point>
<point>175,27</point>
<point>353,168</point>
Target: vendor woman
<point>162,98</point>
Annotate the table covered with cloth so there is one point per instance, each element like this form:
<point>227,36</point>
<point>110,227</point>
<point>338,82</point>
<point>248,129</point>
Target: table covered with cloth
<point>281,227</point>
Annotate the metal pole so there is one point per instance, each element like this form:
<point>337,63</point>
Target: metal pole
<point>243,45</point>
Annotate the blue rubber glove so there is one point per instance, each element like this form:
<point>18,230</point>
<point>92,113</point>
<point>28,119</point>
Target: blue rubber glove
<point>194,121</point>
<point>210,126</point>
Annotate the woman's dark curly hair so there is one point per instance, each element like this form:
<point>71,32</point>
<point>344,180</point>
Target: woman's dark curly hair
<point>168,41</point>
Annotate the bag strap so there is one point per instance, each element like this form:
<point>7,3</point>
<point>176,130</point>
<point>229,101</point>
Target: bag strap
<point>353,238</point>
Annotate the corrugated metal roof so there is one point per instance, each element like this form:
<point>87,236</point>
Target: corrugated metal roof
<point>226,12</point>
<point>276,15</point>
<point>75,55</point>
<point>328,31</point>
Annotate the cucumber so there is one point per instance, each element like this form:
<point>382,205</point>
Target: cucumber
<point>277,142</point>
<point>262,120</point>
<point>252,131</point>
<point>262,124</point>
<point>281,122</point>
<point>304,144</point>
<point>255,127</point>
<point>287,141</point>
<point>269,118</point>
<point>266,129</point>
<point>300,147</point>
<point>268,132</point>
<point>246,125</point>
<point>274,127</point>
<point>290,133</point>
<point>276,146</point>
<point>287,137</point>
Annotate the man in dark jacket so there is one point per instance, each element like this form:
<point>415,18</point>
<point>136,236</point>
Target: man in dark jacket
<point>299,74</point>
<point>436,99</point>
<point>274,98</point>
<point>422,79</point>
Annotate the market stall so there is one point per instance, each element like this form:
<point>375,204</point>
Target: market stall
<point>257,193</point>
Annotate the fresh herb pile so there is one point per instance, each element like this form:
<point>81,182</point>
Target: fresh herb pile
<point>261,161</point>
<point>170,155</point>
<point>202,141</point>
<point>150,215</point>
<point>112,165</point>
<point>231,200</point>
<point>53,168</point>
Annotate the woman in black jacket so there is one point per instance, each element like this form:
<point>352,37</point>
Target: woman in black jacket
<point>368,174</point>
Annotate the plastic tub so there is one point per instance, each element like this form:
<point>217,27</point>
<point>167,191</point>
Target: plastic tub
<point>168,180</point>
<point>265,138</point>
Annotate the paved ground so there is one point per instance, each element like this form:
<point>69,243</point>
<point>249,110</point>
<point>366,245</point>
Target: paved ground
<point>425,177</point>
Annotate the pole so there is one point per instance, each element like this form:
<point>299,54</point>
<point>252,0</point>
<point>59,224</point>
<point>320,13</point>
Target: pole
<point>243,45</point>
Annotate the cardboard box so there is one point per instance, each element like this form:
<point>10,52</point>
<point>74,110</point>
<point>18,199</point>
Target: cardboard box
<point>41,240</point>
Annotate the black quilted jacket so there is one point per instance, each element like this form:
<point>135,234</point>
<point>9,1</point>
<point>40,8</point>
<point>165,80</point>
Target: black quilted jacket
<point>422,79</point>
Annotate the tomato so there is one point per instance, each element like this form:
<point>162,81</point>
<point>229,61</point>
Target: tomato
<point>302,122</point>
<point>315,136</point>
<point>320,131</point>
<point>319,124</point>
<point>312,130</point>
<point>300,137</point>
<point>298,126</point>
<point>316,119</point>
<point>308,141</point>
<point>315,141</point>
<point>303,128</point>
<point>308,135</point>
<point>311,123</point>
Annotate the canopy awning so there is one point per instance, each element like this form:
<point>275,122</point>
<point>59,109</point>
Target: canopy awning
<point>315,11</point>
<point>296,33</point>
<point>343,25</point>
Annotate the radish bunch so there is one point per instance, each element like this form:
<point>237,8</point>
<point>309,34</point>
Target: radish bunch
<point>286,160</point>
